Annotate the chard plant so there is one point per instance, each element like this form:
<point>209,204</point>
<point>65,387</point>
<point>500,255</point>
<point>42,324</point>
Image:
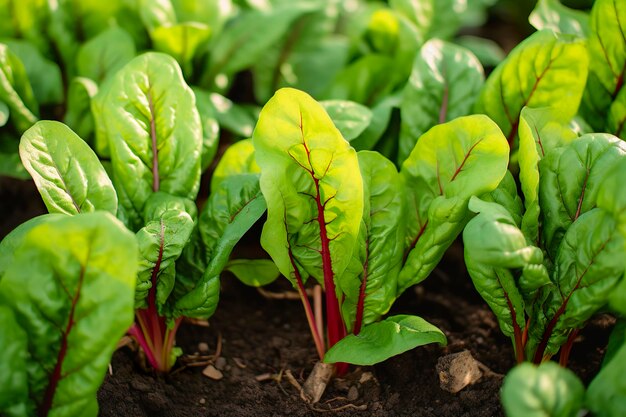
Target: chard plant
<point>359,228</point>
<point>546,270</point>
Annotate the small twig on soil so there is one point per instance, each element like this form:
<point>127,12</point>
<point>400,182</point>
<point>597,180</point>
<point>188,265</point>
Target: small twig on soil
<point>487,371</point>
<point>240,364</point>
<point>218,348</point>
<point>110,369</point>
<point>332,400</point>
<point>290,378</point>
<point>125,341</point>
<point>361,407</point>
<point>284,295</point>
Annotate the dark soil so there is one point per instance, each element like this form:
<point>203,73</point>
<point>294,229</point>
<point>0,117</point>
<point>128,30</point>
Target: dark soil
<point>267,336</point>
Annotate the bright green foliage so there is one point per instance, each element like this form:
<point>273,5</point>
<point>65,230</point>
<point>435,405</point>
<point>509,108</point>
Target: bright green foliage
<point>80,273</point>
<point>379,341</point>
<point>148,117</point>
<point>104,54</point>
<point>210,127</point>
<point>253,272</point>
<point>15,91</point>
<point>444,84</point>
<point>78,115</point>
<point>604,101</point>
<point>349,117</point>
<point>67,172</point>
<point>551,14</point>
<point>546,69</point>
<point>450,163</point>
<point>238,159</point>
<point>25,19</point>
<point>547,390</point>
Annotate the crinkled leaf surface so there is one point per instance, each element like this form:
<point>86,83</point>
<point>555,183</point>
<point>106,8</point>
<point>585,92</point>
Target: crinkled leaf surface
<point>444,84</point>
<point>349,117</point>
<point>551,14</point>
<point>67,172</point>
<point>604,102</point>
<point>547,390</point>
<point>384,339</point>
<point>370,282</point>
<point>570,179</point>
<point>16,91</point>
<point>311,181</point>
<point>79,272</point>
<point>546,69</point>
<point>450,163</point>
<point>154,132</point>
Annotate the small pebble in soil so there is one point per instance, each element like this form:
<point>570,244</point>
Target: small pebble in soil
<point>203,347</point>
<point>213,373</point>
<point>353,393</point>
<point>220,363</point>
<point>202,401</point>
<point>457,370</point>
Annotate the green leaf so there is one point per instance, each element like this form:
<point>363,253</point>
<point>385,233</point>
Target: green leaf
<point>381,116</point>
<point>210,127</point>
<point>588,266</point>
<point>449,164</point>
<point>44,75</point>
<point>154,131</point>
<point>238,159</point>
<point>228,215</point>
<point>604,101</point>
<point>539,133</point>
<point>380,341</point>
<point>76,271</point>
<point>547,390</point>
<point>606,396</point>
<point>349,117</point>
<point>444,84</point>
<point>14,399</point>
<point>570,179</point>
<point>4,114</point>
<point>67,172</point>
<point>16,91</point>
<point>488,52</point>
<point>233,117</point>
<point>546,69</point>
<point>181,41</point>
<point>25,19</point>
<point>371,278</point>
<point>78,115</point>
<point>551,14</point>
<point>253,272</point>
<point>161,241</point>
<point>246,40</point>
<point>311,181</point>
<point>103,55</point>
<point>506,196</point>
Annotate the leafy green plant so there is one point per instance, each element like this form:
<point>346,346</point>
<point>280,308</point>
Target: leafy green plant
<point>59,277</point>
<point>544,272</point>
<point>358,227</point>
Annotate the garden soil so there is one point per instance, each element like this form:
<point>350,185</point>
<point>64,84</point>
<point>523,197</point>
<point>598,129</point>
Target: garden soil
<point>261,347</point>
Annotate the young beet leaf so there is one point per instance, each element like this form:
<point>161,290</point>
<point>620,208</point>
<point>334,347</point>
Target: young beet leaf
<point>449,164</point>
<point>543,297</point>
<point>79,271</point>
<point>445,74</point>
<point>314,192</point>
<point>551,14</point>
<point>547,69</point>
<point>16,92</point>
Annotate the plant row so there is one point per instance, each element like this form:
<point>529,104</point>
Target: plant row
<point>360,193</point>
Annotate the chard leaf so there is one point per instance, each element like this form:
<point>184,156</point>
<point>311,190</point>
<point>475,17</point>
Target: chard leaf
<point>254,272</point>
<point>10,163</point>
<point>547,390</point>
<point>310,179</point>
<point>210,127</point>
<point>182,41</point>
<point>604,102</point>
<point>229,213</point>
<point>380,341</point>
<point>552,15</point>
<point>67,172</point>
<point>381,116</point>
<point>488,52</point>
<point>248,37</point>
<point>570,179</point>
<point>44,75</point>
<point>25,19</point>
<point>233,117</point>
<point>349,117</point>
<point>78,115</point>
<point>161,241</point>
<point>4,114</point>
<point>16,91</point>
<point>546,69</point>
<point>370,282</point>
<point>77,271</point>
<point>588,266</point>
<point>154,131</point>
<point>493,245</point>
<point>14,401</point>
<point>105,54</point>
<point>449,164</point>
<point>238,159</point>
<point>606,396</point>
<point>444,84</point>
<point>506,196</point>
<point>539,133</point>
